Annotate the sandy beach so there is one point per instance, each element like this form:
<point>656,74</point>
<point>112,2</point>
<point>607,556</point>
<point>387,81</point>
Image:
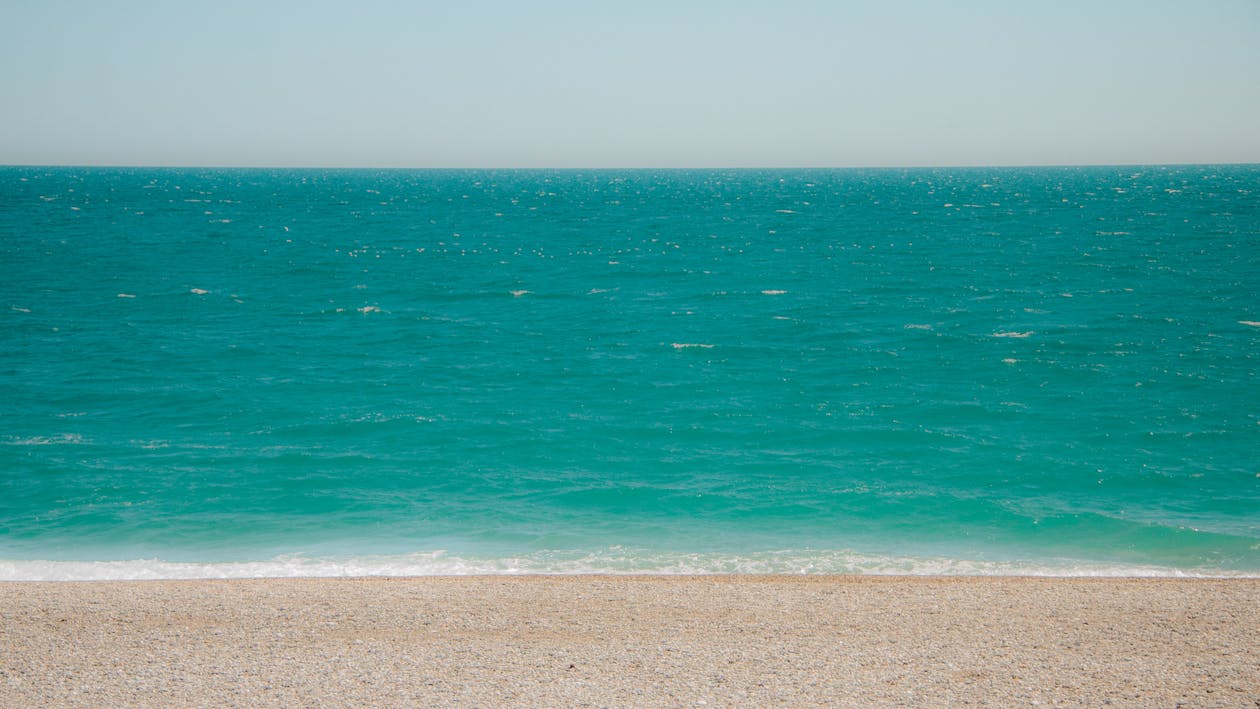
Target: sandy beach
<point>632,641</point>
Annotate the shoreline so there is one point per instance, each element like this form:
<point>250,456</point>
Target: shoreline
<point>624,640</point>
<point>599,562</point>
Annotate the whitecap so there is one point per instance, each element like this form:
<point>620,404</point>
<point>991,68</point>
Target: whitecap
<point>19,309</point>
<point>198,291</point>
<point>688,345</point>
<point>1019,335</point>
<point>917,326</point>
<point>773,292</point>
<point>151,445</point>
<point>370,309</point>
<point>519,293</point>
<point>1249,323</point>
<point>69,439</point>
<point>126,295</point>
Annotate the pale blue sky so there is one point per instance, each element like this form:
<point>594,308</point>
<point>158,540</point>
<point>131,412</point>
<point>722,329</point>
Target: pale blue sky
<point>627,84</point>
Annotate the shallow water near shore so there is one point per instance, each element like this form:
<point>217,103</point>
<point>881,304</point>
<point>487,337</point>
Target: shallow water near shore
<point>353,372</point>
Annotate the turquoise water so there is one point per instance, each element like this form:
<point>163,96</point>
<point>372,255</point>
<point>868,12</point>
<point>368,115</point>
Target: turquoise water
<point>322,372</point>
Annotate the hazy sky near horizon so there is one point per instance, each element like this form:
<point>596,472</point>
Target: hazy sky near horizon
<point>556,83</point>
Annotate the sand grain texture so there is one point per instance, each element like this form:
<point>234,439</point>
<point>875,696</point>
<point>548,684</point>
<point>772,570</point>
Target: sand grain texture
<point>632,641</point>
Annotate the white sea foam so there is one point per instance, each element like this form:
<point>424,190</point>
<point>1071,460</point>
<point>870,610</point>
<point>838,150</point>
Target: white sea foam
<point>687,345</point>
<point>519,293</point>
<point>917,326</point>
<point>615,560</point>
<point>198,291</point>
<point>20,309</point>
<point>126,295</point>
<point>1249,323</point>
<point>369,309</point>
<point>1018,335</point>
<point>773,292</point>
<point>65,439</point>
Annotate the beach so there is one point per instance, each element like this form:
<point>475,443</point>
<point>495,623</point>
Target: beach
<point>632,641</point>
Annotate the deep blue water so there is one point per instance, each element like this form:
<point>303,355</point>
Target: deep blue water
<point>241,372</point>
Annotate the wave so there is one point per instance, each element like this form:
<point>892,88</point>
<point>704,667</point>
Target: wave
<point>68,439</point>
<point>615,561</point>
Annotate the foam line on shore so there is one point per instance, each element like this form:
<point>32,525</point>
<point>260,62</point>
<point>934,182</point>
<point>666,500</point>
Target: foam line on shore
<point>614,561</point>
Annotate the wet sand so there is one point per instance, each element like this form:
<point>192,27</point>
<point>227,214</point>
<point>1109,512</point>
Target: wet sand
<point>632,641</point>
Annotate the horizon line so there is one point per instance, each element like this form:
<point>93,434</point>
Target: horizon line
<point>163,166</point>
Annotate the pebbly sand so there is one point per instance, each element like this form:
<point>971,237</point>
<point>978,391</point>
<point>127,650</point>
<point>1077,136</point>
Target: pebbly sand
<point>632,641</point>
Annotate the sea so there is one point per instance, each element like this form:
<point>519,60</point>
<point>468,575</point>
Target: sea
<point>304,372</point>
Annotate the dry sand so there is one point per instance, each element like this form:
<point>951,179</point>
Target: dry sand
<point>632,641</point>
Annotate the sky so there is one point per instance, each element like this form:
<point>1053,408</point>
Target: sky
<point>648,83</point>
